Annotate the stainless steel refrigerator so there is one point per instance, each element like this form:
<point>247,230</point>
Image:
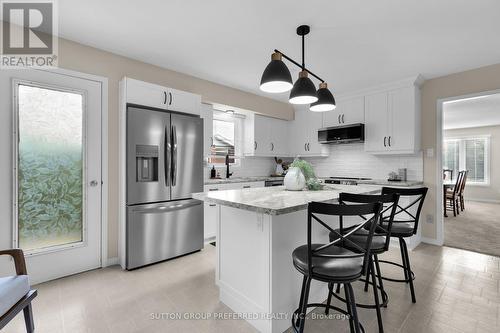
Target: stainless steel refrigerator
<point>164,166</point>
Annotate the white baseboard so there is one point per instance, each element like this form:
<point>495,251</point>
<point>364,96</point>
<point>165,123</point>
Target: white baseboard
<point>431,241</point>
<point>110,262</point>
<point>482,200</point>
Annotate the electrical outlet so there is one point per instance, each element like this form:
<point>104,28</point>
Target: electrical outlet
<point>429,219</point>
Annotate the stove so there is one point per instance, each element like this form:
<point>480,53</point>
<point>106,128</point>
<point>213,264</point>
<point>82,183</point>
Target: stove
<point>344,180</point>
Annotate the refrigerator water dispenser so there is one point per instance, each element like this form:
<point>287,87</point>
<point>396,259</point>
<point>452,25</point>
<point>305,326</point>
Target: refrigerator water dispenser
<point>146,157</point>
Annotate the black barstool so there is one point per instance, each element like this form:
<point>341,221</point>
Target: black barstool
<point>405,224</point>
<point>333,264</point>
<point>380,244</point>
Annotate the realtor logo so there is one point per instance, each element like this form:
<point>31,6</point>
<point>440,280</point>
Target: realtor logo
<point>29,36</point>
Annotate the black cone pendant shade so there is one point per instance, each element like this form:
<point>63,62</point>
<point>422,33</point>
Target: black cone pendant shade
<point>303,91</point>
<point>276,77</point>
<point>326,101</point>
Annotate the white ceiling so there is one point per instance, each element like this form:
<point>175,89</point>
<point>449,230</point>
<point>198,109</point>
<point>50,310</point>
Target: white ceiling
<point>353,44</point>
<point>472,112</point>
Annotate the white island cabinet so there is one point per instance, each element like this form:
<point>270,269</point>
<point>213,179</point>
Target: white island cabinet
<point>257,231</point>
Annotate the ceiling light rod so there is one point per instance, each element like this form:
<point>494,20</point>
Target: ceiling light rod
<point>298,65</point>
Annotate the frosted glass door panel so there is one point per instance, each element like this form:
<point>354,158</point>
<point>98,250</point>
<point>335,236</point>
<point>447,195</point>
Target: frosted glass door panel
<point>50,168</point>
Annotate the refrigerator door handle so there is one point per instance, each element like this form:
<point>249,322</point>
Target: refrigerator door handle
<point>166,208</point>
<point>166,155</point>
<point>174,155</point>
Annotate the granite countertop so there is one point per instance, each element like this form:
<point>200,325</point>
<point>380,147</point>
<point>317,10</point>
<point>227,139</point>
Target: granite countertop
<point>407,183</point>
<point>276,200</point>
<point>241,180</point>
<point>383,182</point>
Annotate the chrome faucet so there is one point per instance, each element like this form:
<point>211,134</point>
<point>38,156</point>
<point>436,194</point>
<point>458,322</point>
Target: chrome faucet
<point>228,174</point>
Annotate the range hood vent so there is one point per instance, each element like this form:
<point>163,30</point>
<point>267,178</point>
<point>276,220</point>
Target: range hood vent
<point>342,134</point>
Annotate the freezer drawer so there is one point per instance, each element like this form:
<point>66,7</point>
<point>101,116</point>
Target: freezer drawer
<point>156,232</point>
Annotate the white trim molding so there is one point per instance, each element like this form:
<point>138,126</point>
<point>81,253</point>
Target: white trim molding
<point>439,162</point>
<point>104,152</point>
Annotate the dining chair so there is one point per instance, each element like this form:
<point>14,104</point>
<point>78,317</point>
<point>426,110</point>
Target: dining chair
<point>16,293</point>
<point>452,196</point>
<point>462,190</point>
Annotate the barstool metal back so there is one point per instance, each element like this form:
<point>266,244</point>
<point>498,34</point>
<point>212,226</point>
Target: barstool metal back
<point>331,263</point>
<point>410,213</point>
<point>405,224</point>
<point>389,206</point>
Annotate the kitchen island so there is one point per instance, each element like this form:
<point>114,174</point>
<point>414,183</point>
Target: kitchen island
<point>257,230</point>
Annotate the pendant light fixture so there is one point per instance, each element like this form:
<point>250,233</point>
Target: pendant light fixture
<point>326,101</point>
<point>276,79</point>
<point>303,91</point>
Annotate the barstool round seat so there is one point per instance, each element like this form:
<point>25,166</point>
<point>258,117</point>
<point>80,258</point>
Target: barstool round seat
<point>401,229</point>
<point>325,268</point>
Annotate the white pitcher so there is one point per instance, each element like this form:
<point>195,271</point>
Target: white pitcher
<point>294,180</point>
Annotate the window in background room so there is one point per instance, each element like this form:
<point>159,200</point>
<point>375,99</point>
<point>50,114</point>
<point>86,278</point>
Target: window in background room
<point>451,157</point>
<point>227,139</point>
<point>468,153</point>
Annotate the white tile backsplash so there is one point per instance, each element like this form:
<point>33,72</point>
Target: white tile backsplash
<point>249,167</point>
<point>352,161</point>
<point>348,160</point>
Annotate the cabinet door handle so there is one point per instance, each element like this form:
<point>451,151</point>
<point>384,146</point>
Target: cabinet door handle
<point>343,122</point>
<point>170,95</point>
<point>272,146</point>
<point>246,186</point>
<point>305,146</point>
<point>213,189</point>
<point>164,97</point>
<point>385,141</point>
<point>255,145</point>
<point>338,118</point>
<point>390,141</point>
<point>212,205</point>
<point>308,147</point>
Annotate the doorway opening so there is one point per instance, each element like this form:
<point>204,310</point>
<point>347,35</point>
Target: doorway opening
<point>468,172</point>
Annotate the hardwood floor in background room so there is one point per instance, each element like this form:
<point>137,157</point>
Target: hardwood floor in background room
<point>457,291</point>
<point>477,228</point>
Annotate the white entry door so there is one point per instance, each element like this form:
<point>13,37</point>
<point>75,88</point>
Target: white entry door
<point>51,155</point>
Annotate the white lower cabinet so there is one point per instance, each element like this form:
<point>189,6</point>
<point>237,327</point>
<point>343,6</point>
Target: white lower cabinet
<point>211,210</point>
<point>211,215</point>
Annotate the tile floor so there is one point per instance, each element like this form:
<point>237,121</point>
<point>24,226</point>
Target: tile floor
<point>457,291</point>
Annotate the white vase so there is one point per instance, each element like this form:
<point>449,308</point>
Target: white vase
<point>294,180</point>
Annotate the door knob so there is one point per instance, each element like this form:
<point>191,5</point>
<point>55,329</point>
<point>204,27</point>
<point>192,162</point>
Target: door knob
<point>94,183</point>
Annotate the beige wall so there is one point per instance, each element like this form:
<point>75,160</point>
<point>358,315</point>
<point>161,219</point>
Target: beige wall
<point>89,60</point>
<point>491,192</point>
<point>468,82</point>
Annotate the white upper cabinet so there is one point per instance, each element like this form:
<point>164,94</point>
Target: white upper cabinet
<point>348,111</point>
<point>153,95</point>
<point>207,113</point>
<point>392,121</point>
<point>303,133</point>
<point>265,136</point>
<point>182,101</point>
<point>376,122</point>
